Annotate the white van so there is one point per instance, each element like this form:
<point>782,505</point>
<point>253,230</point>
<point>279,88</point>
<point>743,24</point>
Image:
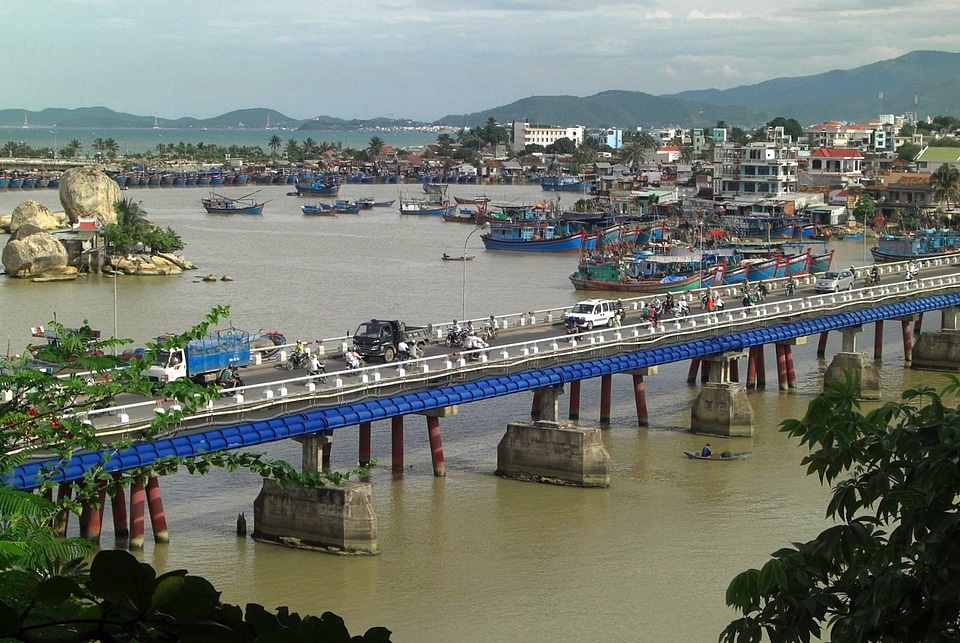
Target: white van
<point>593,312</point>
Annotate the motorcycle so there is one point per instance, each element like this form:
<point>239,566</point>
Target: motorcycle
<point>297,360</point>
<point>318,375</point>
<point>872,279</point>
<point>790,288</point>
<point>455,338</point>
<point>489,332</point>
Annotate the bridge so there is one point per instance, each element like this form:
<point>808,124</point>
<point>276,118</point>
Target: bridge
<point>272,406</point>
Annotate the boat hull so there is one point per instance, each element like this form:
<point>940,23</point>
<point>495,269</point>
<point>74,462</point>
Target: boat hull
<point>726,455</point>
<point>644,286</point>
<point>572,243</point>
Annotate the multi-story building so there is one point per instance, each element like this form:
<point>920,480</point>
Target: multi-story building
<point>834,167</point>
<point>523,134</point>
<point>754,171</point>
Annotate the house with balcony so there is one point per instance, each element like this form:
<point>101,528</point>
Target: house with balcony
<point>833,167</point>
<point>753,172</point>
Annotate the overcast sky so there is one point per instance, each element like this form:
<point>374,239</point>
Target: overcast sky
<point>424,59</point>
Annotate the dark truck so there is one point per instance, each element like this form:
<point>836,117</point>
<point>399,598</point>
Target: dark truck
<point>378,339</point>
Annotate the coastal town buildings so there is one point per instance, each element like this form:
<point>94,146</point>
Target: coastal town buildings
<point>523,134</point>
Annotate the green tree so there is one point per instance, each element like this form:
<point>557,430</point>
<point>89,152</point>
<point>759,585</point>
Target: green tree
<point>375,146</point>
<point>132,226</point>
<point>908,152</point>
<point>48,592</point>
<point>73,149</point>
<point>888,569</point>
<point>944,182</point>
<point>562,145</point>
<point>274,144</point>
<point>864,210</point>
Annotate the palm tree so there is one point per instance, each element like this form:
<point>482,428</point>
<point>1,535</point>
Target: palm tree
<point>375,147</point>
<point>274,144</point>
<point>944,182</point>
<point>73,148</point>
<point>111,147</point>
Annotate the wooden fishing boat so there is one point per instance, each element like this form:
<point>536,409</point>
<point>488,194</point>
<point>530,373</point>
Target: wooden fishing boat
<point>317,210</point>
<point>725,455</point>
<point>924,244</point>
<point>219,204</point>
<point>447,257</point>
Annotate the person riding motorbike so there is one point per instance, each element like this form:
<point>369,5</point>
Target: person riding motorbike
<point>299,356</point>
<point>682,309</point>
<point>352,358</point>
<point>230,378</point>
<point>874,276</point>
<point>316,369</point>
<point>761,291</point>
<point>455,335</point>
<point>492,328</point>
<point>791,287</point>
<point>570,327</point>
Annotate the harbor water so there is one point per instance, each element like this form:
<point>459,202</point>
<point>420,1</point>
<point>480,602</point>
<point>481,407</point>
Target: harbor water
<point>468,557</point>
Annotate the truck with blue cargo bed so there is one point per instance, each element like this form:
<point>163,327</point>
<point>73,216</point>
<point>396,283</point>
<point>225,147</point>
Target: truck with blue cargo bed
<point>202,360</point>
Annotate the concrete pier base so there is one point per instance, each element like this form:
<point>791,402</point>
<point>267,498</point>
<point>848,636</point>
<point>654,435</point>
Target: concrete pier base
<point>553,453</point>
<point>862,366</point>
<point>722,408</point>
<point>937,350</point>
<point>336,519</point>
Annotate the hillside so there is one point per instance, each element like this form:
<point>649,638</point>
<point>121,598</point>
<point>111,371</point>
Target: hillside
<point>850,95</point>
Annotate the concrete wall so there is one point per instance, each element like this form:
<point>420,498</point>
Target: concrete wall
<point>553,453</point>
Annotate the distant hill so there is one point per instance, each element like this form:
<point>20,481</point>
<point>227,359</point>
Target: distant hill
<point>851,95</point>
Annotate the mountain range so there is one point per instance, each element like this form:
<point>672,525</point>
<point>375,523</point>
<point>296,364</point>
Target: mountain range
<point>925,82</point>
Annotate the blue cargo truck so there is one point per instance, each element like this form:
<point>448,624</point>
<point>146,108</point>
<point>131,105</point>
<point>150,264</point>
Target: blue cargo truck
<point>202,360</point>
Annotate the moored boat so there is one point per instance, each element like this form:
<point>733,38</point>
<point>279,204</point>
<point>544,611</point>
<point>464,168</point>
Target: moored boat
<point>447,257</point>
<point>219,204</point>
<point>317,210</point>
<point>433,205</point>
<point>724,455</point>
<point>324,185</point>
<point>924,244</point>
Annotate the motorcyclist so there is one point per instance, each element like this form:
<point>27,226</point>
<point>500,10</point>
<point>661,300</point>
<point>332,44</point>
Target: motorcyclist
<point>314,367</point>
<point>761,291</point>
<point>352,357</point>
<point>874,275</point>
<point>791,287</point>
<point>492,327</point>
<point>683,308</point>
<point>230,378</point>
<point>570,327</point>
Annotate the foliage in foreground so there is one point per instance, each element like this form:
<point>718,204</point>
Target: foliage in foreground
<point>889,570</point>
<point>47,592</point>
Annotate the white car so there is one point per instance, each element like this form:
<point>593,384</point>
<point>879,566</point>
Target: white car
<point>834,281</point>
<point>593,312</point>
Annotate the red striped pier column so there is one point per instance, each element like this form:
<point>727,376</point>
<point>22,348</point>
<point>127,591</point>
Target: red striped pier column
<point>791,370</point>
<point>436,446</point>
<point>640,394</point>
<point>535,406</point>
<point>326,447</point>
<point>907,340</point>
<point>878,339</point>
<point>158,520</point>
<point>396,443</point>
<point>752,367</point>
<point>91,517</point>
<point>118,506</point>
<point>761,368</point>
<point>692,373</point>
<point>606,392</point>
<point>574,413</point>
<point>64,491</point>
<point>822,344</point>
<point>781,367</point>
<point>364,446</point>
<point>138,503</point>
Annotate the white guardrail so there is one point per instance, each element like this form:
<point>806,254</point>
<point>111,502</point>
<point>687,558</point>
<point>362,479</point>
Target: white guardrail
<point>350,385</point>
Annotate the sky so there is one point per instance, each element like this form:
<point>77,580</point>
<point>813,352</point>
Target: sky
<point>425,59</point>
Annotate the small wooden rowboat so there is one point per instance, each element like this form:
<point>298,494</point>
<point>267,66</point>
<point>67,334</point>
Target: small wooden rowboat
<point>447,257</point>
<point>725,455</point>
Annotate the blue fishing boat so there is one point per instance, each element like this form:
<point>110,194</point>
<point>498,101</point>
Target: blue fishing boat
<point>565,183</point>
<point>821,262</point>
<point>924,244</point>
<point>433,205</point>
<point>324,185</point>
<point>317,210</point>
<point>545,235</point>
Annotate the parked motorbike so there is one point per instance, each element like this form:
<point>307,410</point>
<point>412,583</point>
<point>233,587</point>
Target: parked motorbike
<point>297,360</point>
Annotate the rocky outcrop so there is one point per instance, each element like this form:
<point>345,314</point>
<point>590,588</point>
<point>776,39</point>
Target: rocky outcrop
<point>88,192</point>
<point>35,214</point>
<point>31,252</point>
<point>146,265</point>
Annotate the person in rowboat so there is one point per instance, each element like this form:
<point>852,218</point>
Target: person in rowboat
<point>706,451</point>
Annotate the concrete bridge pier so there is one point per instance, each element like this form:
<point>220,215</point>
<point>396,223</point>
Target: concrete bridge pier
<point>722,408</point>
<point>756,368</point>
<point>940,349</point>
<point>907,338</point>
<point>640,393</point>
<point>91,518</point>
<point>332,518</point>
<point>548,451</point>
<point>60,526</point>
<point>878,340</point>
<point>396,444</point>
<point>364,444</point>
<point>158,520</point>
<point>118,506</point>
<point>848,360</point>
<point>606,398</point>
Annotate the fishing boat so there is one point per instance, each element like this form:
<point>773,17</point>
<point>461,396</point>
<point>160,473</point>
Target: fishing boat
<point>477,200</point>
<point>924,244</point>
<point>433,205</point>
<point>821,262</point>
<point>648,272</point>
<point>565,183</point>
<point>384,204</point>
<point>219,204</point>
<point>447,257</point>
<point>541,235</point>
<point>725,455</point>
<point>324,185</point>
<point>317,210</point>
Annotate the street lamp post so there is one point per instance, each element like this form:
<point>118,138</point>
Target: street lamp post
<point>463,258</point>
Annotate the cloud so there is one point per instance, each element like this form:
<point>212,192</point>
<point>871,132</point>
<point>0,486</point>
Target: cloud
<point>696,14</point>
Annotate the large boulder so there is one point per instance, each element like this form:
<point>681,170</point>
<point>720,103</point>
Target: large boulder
<point>35,214</point>
<point>31,252</point>
<point>88,192</point>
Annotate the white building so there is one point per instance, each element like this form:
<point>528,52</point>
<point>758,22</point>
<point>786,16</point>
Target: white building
<point>754,171</point>
<point>523,134</point>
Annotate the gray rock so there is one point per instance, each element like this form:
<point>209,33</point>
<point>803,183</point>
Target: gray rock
<point>31,252</point>
<point>36,214</point>
<point>88,192</point>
